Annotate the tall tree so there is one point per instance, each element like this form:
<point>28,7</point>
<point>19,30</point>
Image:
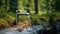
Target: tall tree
<point>5,4</point>
<point>57,5</point>
<point>13,5</point>
<point>51,18</point>
<point>47,5</point>
<point>28,5</point>
<point>36,6</point>
<point>0,3</point>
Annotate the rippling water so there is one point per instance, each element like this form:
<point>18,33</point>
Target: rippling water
<point>30,30</point>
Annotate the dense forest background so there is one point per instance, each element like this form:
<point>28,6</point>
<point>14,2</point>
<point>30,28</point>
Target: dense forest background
<point>46,10</point>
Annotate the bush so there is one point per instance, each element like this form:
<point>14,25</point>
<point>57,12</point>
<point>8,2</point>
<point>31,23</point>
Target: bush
<point>36,19</point>
<point>23,18</point>
<point>9,18</point>
<point>3,23</point>
<point>24,24</point>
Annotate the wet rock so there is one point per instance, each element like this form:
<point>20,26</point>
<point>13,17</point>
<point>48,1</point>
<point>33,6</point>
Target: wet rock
<point>20,29</point>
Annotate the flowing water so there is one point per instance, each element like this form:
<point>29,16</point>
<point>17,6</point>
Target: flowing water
<point>30,30</point>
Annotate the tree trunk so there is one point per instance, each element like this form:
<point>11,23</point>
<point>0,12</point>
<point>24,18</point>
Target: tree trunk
<point>36,6</point>
<point>6,4</point>
<point>14,5</point>
<point>0,3</point>
<point>28,5</point>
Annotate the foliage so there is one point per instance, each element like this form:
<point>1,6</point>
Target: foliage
<point>9,18</point>
<point>6,19</point>
<point>24,24</point>
<point>23,18</point>
<point>36,19</point>
<point>43,6</point>
<point>3,23</point>
<point>57,16</point>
